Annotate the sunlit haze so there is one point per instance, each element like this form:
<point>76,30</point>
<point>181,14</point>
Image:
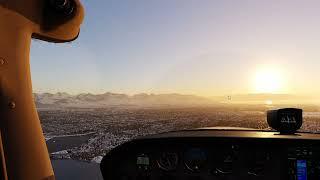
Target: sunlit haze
<point>207,48</point>
<point>269,80</point>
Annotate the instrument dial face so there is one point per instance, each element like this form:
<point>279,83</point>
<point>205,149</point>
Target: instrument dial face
<point>195,159</point>
<point>257,163</point>
<point>168,161</point>
<point>224,161</point>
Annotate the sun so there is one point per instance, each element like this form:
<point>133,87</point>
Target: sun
<point>268,102</point>
<point>268,80</point>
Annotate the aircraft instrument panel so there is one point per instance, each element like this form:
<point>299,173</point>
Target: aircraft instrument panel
<point>214,154</point>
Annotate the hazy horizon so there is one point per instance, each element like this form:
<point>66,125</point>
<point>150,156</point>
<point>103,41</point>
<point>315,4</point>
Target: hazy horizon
<point>168,93</point>
<point>92,99</point>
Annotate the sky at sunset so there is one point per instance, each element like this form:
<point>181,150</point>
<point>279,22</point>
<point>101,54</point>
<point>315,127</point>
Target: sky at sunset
<point>201,47</point>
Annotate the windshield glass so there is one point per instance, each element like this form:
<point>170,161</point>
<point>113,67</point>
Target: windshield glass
<point>145,67</point>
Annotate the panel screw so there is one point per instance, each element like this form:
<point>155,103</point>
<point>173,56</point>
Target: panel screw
<point>2,61</point>
<point>12,105</point>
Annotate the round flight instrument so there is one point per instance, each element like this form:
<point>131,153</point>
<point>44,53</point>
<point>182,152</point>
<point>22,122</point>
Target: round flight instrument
<point>195,159</point>
<point>168,161</point>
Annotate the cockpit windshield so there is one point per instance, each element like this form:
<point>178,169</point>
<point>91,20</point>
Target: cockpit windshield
<point>145,67</point>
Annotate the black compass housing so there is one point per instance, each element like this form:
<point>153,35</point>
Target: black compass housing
<point>286,121</point>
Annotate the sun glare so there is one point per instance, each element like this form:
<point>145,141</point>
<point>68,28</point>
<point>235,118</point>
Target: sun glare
<point>268,80</point>
<point>268,102</point>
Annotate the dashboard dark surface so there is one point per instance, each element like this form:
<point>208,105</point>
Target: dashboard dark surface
<point>205,154</point>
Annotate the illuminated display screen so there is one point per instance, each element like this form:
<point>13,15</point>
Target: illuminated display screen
<point>142,160</point>
<point>301,170</point>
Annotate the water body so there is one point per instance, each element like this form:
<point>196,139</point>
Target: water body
<point>60,143</point>
<point>73,169</point>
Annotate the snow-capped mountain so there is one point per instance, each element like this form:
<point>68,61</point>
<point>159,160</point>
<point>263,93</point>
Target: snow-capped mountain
<point>88,100</point>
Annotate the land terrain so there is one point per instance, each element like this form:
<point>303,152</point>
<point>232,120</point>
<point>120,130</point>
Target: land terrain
<point>84,133</point>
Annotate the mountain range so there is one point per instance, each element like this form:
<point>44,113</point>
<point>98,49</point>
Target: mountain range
<point>88,100</point>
